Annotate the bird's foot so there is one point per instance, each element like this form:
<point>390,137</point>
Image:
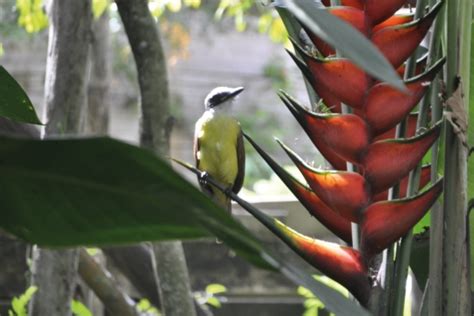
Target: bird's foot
<point>228,191</point>
<point>203,177</point>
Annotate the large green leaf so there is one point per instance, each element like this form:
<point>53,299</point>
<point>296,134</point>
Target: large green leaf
<point>101,191</point>
<point>14,103</point>
<point>348,41</point>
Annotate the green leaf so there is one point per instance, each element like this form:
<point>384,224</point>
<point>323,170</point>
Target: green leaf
<point>14,103</point>
<point>101,191</point>
<point>79,309</point>
<point>32,16</point>
<point>348,41</point>
<point>215,288</point>
<point>20,304</point>
<point>99,7</point>
<point>214,302</point>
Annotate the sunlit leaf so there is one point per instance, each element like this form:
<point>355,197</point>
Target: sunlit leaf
<point>20,304</point>
<point>79,309</point>
<point>193,3</point>
<point>215,288</point>
<point>174,5</point>
<point>99,7</point>
<point>214,302</point>
<point>31,15</point>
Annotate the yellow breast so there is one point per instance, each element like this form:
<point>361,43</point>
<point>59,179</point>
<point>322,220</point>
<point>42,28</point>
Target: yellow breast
<point>217,155</point>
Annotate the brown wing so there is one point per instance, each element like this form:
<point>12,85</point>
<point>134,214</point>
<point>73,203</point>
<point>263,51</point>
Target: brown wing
<point>205,188</point>
<point>239,180</point>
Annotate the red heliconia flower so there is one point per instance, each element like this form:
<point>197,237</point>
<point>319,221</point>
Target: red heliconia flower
<point>364,137</point>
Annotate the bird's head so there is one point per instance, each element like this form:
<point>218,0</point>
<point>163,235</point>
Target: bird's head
<point>220,95</point>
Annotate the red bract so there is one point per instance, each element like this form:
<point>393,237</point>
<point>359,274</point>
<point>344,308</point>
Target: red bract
<point>343,264</point>
<point>364,137</point>
<point>333,221</point>
<point>400,214</point>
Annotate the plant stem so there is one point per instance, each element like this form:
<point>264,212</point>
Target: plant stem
<point>455,257</point>
<point>404,250</point>
<point>434,299</point>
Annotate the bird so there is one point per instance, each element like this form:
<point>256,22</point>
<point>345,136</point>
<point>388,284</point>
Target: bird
<point>218,145</point>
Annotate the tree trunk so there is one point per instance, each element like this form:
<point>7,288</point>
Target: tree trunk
<point>97,118</point>
<point>54,271</point>
<point>155,126</point>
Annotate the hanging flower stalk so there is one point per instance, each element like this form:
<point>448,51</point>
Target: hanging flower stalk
<point>364,138</point>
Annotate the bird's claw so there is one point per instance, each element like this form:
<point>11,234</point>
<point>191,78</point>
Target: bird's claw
<point>203,177</point>
<point>228,191</point>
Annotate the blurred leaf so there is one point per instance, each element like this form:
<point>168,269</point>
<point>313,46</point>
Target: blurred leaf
<point>79,309</point>
<point>193,3</point>
<point>240,23</point>
<point>174,5</point>
<point>277,31</point>
<point>92,251</point>
<point>14,103</point>
<point>214,301</point>
<point>215,288</point>
<point>144,306</point>
<point>1,50</point>
<point>31,15</point>
<point>99,7</point>
<point>110,193</point>
<point>20,304</point>
<point>264,22</point>
<point>351,43</point>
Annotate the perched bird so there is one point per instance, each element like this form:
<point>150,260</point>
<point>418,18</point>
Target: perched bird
<point>218,144</point>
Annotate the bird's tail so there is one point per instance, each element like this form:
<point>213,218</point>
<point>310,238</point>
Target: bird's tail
<point>221,199</point>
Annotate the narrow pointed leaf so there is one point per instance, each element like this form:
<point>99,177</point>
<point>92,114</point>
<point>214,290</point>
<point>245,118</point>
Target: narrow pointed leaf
<point>388,161</point>
<point>385,222</point>
<point>425,178</point>
<point>347,135</point>
<point>354,17</point>
<point>378,11</point>
<point>386,107</point>
<point>351,43</point>
<point>343,191</point>
<point>14,103</point>
<point>397,43</point>
<point>340,226</point>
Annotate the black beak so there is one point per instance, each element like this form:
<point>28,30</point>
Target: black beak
<point>235,92</point>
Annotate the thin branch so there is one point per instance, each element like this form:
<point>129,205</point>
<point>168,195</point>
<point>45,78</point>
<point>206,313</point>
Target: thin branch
<point>116,302</point>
